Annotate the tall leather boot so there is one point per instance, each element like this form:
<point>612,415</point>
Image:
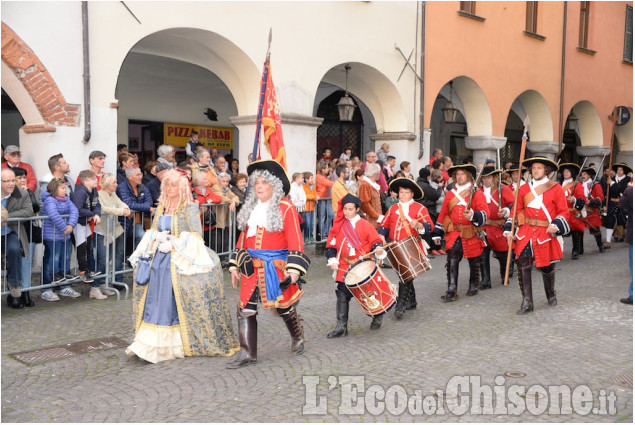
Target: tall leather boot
<point>511,265</point>
<point>502,263</point>
<point>341,311</point>
<point>475,275</point>
<point>452,267</point>
<point>575,240</point>
<point>402,300</point>
<point>581,244</point>
<point>598,240</point>
<point>549,280</point>
<point>486,282</point>
<point>524,280</point>
<point>376,323</point>
<point>295,330</point>
<point>411,303</point>
<point>26,299</point>
<point>248,339</point>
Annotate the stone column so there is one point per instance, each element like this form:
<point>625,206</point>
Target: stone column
<point>484,147</point>
<point>546,149</point>
<point>300,140</point>
<point>401,147</point>
<point>593,154</point>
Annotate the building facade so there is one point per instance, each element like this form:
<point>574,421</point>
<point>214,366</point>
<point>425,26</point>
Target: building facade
<point>155,68</point>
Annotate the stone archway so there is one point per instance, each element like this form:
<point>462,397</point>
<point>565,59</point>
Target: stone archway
<point>32,88</point>
<point>589,131</point>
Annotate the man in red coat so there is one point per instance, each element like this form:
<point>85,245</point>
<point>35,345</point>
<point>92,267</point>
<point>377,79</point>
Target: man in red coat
<point>542,217</point>
<point>13,157</point>
<point>571,187</point>
<point>460,225</point>
<point>350,237</point>
<point>270,257</point>
<point>402,220</point>
<point>591,195</point>
<point>499,206</point>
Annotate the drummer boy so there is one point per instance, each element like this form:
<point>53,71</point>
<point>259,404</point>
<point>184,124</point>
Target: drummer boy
<point>404,219</point>
<point>350,238</point>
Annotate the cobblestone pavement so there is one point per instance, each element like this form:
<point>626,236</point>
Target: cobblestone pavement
<point>587,339</point>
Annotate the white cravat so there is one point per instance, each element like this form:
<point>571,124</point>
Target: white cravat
<point>257,218</point>
<point>488,194</point>
<point>372,183</point>
<point>566,182</point>
<point>587,187</point>
<point>405,206</point>
<point>537,201</point>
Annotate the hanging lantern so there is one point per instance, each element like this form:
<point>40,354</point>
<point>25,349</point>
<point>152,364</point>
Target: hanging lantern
<point>450,111</point>
<point>346,106</point>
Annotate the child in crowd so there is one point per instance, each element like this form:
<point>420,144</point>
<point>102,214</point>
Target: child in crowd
<point>56,233</point>
<point>86,199</point>
<point>391,200</point>
<point>297,194</point>
<point>309,210</point>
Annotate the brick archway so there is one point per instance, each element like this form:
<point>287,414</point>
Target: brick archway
<point>39,84</point>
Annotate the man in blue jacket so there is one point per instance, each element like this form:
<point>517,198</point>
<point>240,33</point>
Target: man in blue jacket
<point>137,197</point>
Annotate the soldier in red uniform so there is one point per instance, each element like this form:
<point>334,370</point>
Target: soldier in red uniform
<point>542,217</point>
<point>268,259</point>
<point>406,218</point>
<point>459,225</point>
<point>499,206</point>
<point>571,187</point>
<point>590,195</point>
<point>350,237</point>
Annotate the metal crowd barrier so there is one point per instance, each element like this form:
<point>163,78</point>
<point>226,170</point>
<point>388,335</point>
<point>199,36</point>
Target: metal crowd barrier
<point>320,221</point>
<point>220,238</point>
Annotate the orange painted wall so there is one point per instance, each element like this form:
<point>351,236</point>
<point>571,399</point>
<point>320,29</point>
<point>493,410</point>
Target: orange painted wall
<point>505,62</point>
<point>602,79</point>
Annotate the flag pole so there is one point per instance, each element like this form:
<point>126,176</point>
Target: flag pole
<point>263,89</point>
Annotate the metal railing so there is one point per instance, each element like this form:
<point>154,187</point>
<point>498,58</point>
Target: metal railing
<point>106,251</point>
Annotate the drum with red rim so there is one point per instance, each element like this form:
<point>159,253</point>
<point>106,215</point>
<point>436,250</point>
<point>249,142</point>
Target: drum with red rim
<point>370,287</point>
<point>407,258</point>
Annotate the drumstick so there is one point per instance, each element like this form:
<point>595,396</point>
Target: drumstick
<point>382,248</point>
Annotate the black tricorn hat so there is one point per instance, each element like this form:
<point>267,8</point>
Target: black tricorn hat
<point>351,199</point>
<point>590,171</point>
<point>574,168</point>
<point>274,168</point>
<point>490,171</point>
<point>470,168</point>
<point>625,167</point>
<point>407,184</point>
<point>514,167</point>
<point>541,160</point>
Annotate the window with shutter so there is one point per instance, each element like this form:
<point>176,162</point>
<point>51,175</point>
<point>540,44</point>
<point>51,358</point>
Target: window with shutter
<point>628,35</point>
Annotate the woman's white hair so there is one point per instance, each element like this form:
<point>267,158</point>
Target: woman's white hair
<point>274,215</point>
<point>164,150</point>
<point>371,169</point>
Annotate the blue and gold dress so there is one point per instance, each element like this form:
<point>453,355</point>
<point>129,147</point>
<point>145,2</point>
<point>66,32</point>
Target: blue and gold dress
<point>182,311</point>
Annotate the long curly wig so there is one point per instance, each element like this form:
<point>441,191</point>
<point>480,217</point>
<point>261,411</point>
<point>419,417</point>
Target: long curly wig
<point>274,215</point>
<point>185,194</point>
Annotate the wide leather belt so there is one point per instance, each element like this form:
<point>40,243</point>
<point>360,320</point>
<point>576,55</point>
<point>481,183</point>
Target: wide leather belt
<point>615,199</point>
<point>536,222</point>
<point>500,222</point>
<point>259,264</point>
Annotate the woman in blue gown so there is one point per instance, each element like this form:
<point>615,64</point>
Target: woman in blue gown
<point>182,311</point>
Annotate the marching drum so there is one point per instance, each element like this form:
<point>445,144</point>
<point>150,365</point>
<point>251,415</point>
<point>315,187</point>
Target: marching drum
<point>407,258</point>
<point>370,287</point>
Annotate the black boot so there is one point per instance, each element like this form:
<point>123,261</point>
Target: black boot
<point>575,240</point>
<point>402,300</point>
<point>501,256</point>
<point>376,323</point>
<point>524,281</point>
<point>598,241</point>
<point>475,275</point>
<point>452,267</point>
<point>411,304</point>
<point>296,330</point>
<point>248,338</point>
<point>581,244</point>
<point>549,280</point>
<point>26,299</point>
<point>486,282</point>
<point>511,265</point>
<point>341,311</point>
<point>14,299</point>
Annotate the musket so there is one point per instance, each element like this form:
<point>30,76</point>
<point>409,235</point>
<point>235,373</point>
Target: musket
<point>500,179</point>
<point>608,185</point>
<point>523,146</point>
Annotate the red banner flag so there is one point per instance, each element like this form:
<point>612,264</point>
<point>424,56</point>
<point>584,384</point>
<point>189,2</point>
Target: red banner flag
<point>271,123</point>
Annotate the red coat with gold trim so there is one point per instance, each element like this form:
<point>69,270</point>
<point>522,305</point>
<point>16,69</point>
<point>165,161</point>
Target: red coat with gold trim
<point>290,238</point>
<point>593,203</point>
<point>337,245</point>
<point>393,228</point>
<point>573,189</point>
<point>546,248</point>
<point>472,247</point>
<point>495,237</point>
